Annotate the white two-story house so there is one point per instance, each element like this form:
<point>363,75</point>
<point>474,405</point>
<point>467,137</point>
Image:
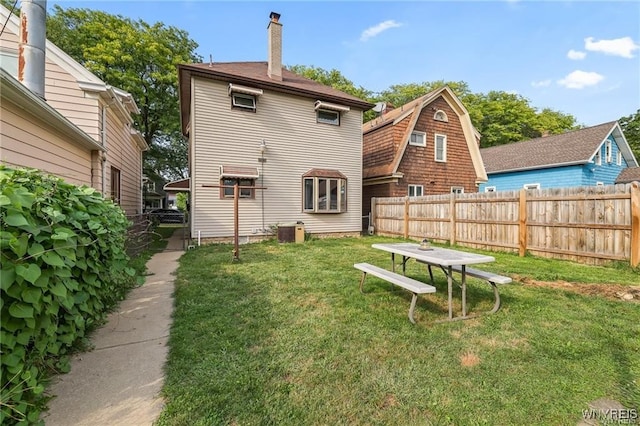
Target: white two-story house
<point>293,145</point>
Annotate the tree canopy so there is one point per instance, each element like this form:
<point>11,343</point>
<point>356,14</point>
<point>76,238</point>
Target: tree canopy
<point>631,128</point>
<point>140,58</point>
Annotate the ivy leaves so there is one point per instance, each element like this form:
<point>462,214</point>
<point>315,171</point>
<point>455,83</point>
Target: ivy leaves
<point>63,266</point>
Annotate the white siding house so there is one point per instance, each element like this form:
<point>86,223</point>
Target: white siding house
<point>101,112</point>
<point>260,125</point>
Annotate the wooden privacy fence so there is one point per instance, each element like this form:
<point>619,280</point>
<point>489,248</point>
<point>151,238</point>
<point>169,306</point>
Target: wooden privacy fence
<point>585,224</point>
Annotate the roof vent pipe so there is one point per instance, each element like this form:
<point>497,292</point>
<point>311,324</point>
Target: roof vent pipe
<point>32,47</point>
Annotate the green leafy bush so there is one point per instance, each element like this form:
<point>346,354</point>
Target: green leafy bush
<point>64,266</point>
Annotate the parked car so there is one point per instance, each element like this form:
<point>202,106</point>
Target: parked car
<point>167,216</point>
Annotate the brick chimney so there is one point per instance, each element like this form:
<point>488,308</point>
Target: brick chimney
<point>274,69</point>
<point>31,50</point>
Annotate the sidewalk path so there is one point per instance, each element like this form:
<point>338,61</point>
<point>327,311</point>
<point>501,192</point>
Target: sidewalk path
<point>119,381</point>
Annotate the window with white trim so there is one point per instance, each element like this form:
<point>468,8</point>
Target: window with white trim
<point>457,189</point>
<point>531,186</point>
<point>489,189</point>
<point>619,158</point>
<point>327,116</point>
<point>418,139</point>
<point>607,151</point>
<point>416,190</point>
<point>243,101</point>
<point>597,159</point>
<point>440,115</point>
<point>599,183</point>
<point>324,191</point>
<point>440,148</point>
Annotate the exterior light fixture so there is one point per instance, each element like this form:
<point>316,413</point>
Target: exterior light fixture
<point>263,147</point>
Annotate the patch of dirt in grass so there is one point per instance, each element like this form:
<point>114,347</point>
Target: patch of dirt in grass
<point>388,401</point>
<point>469,359</point>
<point>610,291</point>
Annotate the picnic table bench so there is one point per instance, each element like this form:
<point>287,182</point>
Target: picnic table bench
<point>490,277</point>
<point>414,286</point>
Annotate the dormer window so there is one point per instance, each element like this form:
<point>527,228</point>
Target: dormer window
<point>244,97</point>
<point>328,113</point>
<point>440,115</point>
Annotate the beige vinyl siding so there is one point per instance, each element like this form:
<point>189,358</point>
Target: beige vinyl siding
<point>124,155</point>
<point>296,144</point>
<point>28,141</point>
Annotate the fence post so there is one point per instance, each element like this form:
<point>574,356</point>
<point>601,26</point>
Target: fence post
<point>372,219</point>
<point>635,224</point>
<point>452,221</point>
<point>406,217</point>
<point>522,223</point>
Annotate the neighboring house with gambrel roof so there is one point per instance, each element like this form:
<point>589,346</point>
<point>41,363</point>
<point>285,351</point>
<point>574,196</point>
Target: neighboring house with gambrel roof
<point>294,147</point>
<point>427,146</point>
<point>591,156</point>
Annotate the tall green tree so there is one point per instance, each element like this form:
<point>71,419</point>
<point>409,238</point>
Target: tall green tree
<point>400,94</point>
<point>140,58</point>
<point>631,128</point>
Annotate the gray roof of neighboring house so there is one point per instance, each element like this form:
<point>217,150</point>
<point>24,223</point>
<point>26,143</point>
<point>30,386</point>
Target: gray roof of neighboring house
<point>255,74</point>
<point>630,174</point>
<point>575,147</point>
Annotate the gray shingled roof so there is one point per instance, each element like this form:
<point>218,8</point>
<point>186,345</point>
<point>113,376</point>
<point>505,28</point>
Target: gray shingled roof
<point>254,74</point>
<point>574,147</point>
<point>630,174</point>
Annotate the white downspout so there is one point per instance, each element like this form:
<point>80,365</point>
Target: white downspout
<point>103,137</point>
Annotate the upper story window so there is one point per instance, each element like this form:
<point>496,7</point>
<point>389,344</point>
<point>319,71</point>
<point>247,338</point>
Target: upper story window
<point>441,148</point>
<point>243,97</point>
<point>418,139</point>
<point>416,190</point>
<point>440,115</point>
<point>619,158</point>
<point>328,113</point>
<point>607,151</point>
<point>598,158</point>
<point>324,191</point>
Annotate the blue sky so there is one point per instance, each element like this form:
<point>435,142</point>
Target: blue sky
<point>578,57</point>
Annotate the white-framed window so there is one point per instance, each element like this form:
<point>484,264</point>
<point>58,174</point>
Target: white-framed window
<point>415,190</point>
<point>599,183</point>
<point>619,158</point>
<point>328,116</point>
<point>440,115</point>
<point>243,101</point>
<point>440,148</point>
<point>324,191</point>
<point>489,189</point>
<point>531,186</point>
<point>418,139</point>
<point>607,151</point>
<point>229,182</point>
<point>597,159</point>
<point>457,189</point>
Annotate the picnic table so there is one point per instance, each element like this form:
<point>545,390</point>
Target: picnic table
<point>449,261</point>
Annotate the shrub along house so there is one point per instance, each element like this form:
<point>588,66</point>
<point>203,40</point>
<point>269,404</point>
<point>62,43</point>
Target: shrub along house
<point>260,125</point>
<point>64,120</point>
<point>427,146</point>
<point>591,156</point>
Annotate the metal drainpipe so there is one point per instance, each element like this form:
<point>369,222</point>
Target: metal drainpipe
<point>31,49</point>
<point>103,155</point>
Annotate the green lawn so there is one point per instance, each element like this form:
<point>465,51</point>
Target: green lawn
<point>284,337</point>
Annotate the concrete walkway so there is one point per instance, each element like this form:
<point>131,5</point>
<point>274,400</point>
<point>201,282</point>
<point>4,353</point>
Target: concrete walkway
<point>119,381</point>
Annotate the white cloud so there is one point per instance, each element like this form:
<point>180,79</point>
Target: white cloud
<point>377,29</point>
<point>542,83</point>
<point>617,47</point>
<point>581,79</point>
<point>576,55</point>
